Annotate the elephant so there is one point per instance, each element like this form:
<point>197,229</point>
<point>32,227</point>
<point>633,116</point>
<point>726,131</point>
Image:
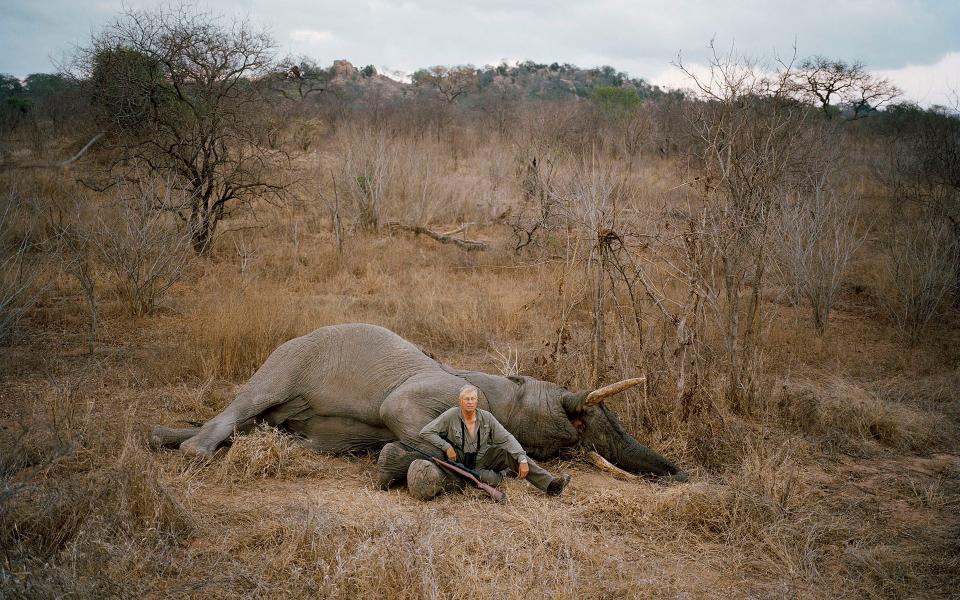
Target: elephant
<point>359,387</point>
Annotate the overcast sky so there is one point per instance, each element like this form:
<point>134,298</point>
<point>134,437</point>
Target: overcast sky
<point>915,43</point>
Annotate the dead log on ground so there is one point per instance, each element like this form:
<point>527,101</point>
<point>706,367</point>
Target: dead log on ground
<point>443,238</point>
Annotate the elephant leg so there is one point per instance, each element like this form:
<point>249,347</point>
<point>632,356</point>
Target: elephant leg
<point>167,437</point>
<point>252,400</point>
<point>426,480</point>
<point>393,463</point>
<point>338,435</point>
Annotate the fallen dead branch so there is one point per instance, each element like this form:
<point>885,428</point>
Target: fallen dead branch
<point>443,238</point>
<point>54,165</point>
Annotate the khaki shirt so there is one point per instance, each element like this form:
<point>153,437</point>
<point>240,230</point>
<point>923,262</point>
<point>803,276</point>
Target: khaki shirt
<point>446,430</point>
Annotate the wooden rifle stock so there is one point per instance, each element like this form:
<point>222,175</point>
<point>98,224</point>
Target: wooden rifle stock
<point>495,494</point>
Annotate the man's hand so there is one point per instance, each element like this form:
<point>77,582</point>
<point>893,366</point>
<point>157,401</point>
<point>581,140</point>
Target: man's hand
<point>451,454</point>
<point>524,469</point>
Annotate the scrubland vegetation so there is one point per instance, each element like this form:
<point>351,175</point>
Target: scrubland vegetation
<point>782,268</point>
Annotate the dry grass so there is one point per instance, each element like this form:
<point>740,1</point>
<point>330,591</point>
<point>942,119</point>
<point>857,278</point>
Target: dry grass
<point>266,453</point>
<point>235,332</point>
<point>847,417</point>
<point>839,480</point>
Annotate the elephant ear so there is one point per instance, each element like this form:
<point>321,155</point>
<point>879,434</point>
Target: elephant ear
<point>482,401</point>
<point>520,382</point>
<point>573,403</point>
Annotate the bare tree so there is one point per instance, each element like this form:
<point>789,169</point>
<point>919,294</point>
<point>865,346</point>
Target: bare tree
<point>831,83</point>
<point>179,91</point>
<point>920,162</point>
<point>499,102</point>
<point>296,79</point>
<point>449,82</point>
<point>749,145</point>
<point>444,85</point>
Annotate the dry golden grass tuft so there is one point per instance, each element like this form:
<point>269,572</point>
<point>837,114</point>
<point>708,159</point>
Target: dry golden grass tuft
<point>266,453</point>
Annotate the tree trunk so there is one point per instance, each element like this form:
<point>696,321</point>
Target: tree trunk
<point>597,348</point>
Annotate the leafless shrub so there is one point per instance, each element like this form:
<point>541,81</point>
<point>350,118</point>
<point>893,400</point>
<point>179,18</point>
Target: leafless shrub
<point>918,272</point>
<point>589,200</point>
<point>419,192</point>
<point>817,234</point>
<point>246,255</point>
<point>75,245</point>
<point>19,270</point>
<point>334,207</point>
<point>507,360</point>
<point>139,245</point>
<point>367,164</point>
<point>537,177</point>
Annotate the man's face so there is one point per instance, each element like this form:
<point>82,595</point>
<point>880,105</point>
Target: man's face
<point>468,403</point>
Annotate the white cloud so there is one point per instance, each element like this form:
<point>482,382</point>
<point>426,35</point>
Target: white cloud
<point>311,36</point>
<point>928,84</point>
<point>674,78</point>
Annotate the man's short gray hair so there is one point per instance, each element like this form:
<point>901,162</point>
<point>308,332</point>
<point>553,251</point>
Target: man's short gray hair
<point>469,389</point>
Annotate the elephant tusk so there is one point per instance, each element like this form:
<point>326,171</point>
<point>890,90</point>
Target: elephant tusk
<point>609,390</point>
<point>607,466</point>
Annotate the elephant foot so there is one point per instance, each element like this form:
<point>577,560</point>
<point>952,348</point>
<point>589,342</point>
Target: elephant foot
<point>167,437</point>
<point>194,448</point>
<point>392,464</point>
<point>426,480</point>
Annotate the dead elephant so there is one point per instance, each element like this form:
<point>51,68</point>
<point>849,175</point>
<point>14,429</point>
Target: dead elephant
<point>358,387</point>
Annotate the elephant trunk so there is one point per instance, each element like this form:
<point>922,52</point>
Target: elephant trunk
<point>606,436</point>
<point>634,457</point>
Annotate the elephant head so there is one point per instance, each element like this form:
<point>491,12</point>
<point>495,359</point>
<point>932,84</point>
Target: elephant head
<point>601,431</point>
<point>546,418</point>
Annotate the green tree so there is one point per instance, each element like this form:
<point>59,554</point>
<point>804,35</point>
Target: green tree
<point>612,98</point>
<point>14,104</point>
<point>129,88</point>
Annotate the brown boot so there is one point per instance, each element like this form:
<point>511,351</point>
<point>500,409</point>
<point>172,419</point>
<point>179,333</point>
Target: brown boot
<point>558,484</point>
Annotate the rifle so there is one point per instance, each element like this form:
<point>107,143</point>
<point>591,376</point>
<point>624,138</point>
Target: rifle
<point>462,471</point>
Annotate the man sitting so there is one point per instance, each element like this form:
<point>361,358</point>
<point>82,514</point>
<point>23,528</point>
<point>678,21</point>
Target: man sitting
<point>474,437</point>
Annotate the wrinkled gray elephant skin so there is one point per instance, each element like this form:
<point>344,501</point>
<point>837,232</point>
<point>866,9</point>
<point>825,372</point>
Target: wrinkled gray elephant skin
<point>356,387</point>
